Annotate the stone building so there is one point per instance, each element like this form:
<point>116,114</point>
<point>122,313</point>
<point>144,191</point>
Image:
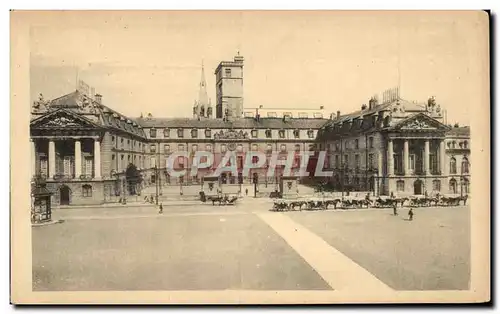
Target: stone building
<point>84,148</point>
<point>398,147</point>
<point>92,154</point>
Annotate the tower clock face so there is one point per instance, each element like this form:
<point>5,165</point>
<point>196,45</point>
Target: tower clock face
<point>232,146</point>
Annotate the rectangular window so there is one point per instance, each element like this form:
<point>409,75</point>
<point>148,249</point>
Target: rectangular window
<point>88,166</point>
<point>43,166</point>
<point>412,162</point>
<point>370,141</point>
<point>194,133</point>
<point>433,163</point>
<point>281,133</point>
<point>152,148</point>
<point>223,148</point>
<point>356,144</point>
<point>357,161</point>
<point>194,147</point>
<point>318,115</point>
<point>254,133</point>
<point>180,147</point>
<point>208,133</point>
<point>296,133</point>
<point>67,168</point>
<point>152,133</point>
<point>208,147</point>
<point>268,133</point>
<point>255,147</point>
<point>228,72</point>
<point>153,162</point>
<point>166,133</point>
<point>400,186</point>
<point>283,147</point>
<point>337,161</point>
<point>166,148</point>
<point>310,134</point>
<point>371,161</point>
<point>346,160</point>
<point>180,133</point>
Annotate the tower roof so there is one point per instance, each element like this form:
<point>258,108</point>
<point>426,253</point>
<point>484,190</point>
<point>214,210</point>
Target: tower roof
<point>202,94</point>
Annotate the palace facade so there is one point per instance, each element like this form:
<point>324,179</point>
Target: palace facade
<point>397,147</point>
<point>87,151</point>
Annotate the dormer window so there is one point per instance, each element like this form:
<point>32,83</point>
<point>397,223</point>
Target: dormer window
<point>194,133</point>
<point>272,115</point>
<point>166,133</point>
<point>268,133</point>
<point>152,133</point>
<point>281,133</point>
<point>310,133</point>
<point>296,133</point>
<point>318,115</point>
<point>208,133</point>
<point>303,115</point>
<point>254,133</point>
<point>180,133</point>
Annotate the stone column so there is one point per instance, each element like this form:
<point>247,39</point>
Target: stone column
<point>33,158</point>
<point>390,158</point>
<point>426,157</point>
<point>442,158</point>
<point>52,159</point>
<point>78,159</point>
<point>406,157</point>
<point>97,159</point>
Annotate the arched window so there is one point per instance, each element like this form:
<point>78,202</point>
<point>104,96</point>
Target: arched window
<point>436,185</point>
<point>453,165</point>
<point>400,186</point>
<point>465,186</point>
<point>86,190</point>
<point>465,165</point>
<point>453,186</point>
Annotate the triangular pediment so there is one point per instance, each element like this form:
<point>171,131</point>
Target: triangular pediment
<point>420,122</point>
<point>62,118</point>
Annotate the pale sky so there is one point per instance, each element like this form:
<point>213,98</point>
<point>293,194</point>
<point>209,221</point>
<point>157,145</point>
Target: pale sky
<point>151,61</point>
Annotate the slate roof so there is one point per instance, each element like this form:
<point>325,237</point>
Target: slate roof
<point>107,116</point>
<point>460,131</point>
<point>240,123</point>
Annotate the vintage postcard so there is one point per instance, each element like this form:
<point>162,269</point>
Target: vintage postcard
<point>250,157</point>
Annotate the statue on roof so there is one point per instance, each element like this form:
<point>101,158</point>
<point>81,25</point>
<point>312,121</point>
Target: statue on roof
<point>202,111</point>
<point>41,104</point>
<point>209,112</point>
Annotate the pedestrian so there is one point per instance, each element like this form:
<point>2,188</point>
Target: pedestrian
<point>395,209</point>
<point>410,214</point>
<point>246,192</point>
<point>161,208</point>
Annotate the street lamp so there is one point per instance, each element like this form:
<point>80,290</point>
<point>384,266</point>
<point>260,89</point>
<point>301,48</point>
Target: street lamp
<point>156,183</point>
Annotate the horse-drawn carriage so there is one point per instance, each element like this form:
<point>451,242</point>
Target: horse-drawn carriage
<point>366,202</point>
<point>220,199</point>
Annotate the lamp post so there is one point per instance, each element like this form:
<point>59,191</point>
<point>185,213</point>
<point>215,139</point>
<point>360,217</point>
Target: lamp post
<point>156,183</point>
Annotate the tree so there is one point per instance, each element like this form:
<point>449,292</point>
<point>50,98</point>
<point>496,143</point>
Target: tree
<point>133,177</point>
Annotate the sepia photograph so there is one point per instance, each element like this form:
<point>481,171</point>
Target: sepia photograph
<point>250,157</point>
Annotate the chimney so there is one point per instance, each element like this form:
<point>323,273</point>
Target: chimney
<point>98,98</point>
<point>338,114</point>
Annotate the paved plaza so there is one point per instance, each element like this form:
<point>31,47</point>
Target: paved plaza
<point>205,247</point>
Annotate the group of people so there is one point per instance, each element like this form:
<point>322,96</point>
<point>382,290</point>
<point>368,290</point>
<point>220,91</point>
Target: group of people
<point>410,212</point>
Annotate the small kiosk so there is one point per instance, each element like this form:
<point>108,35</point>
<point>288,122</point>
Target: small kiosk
<point>41,210</point>
<point>289,187</point>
